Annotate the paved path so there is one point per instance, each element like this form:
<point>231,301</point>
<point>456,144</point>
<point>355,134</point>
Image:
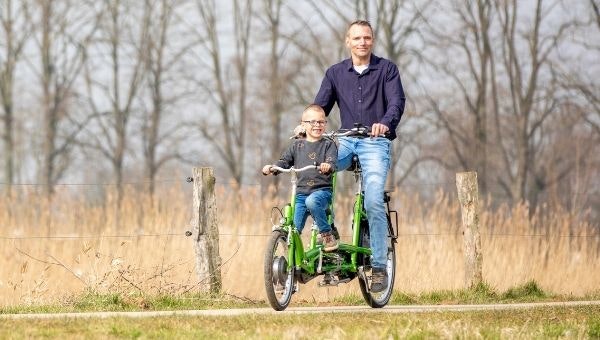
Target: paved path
<point>302,310</point>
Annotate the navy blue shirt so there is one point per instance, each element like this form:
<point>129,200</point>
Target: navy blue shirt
<point>375,96</point>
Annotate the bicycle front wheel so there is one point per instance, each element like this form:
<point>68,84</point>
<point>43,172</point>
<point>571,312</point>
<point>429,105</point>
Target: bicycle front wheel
<point>279,279</point>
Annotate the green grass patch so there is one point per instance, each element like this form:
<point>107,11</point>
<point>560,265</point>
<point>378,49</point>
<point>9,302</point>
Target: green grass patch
<point>593,328</point>
<point>530,291</point>
<point>535,323</point>
<point>480,294</point>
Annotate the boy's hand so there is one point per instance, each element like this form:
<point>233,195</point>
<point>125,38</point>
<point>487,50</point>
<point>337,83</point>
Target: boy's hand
<point>324,168</point>
<point>266,169</point>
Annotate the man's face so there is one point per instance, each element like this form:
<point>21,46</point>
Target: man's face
<point>360,41</point>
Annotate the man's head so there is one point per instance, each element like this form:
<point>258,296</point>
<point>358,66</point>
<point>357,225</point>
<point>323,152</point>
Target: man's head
<point>314,122</point>
<point>359,40</point>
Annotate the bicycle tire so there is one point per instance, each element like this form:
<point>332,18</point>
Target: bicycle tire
<point>379,300</point>
<point>279,280</point>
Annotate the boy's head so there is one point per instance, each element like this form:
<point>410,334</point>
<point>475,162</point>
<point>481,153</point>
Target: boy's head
<point>314,122</point>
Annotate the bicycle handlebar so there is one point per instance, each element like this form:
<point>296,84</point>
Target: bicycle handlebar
<point>280,169</point>
<point>357,131</point>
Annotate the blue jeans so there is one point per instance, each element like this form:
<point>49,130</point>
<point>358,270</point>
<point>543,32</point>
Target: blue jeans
<point>374,157</point>
<point>316,204</point>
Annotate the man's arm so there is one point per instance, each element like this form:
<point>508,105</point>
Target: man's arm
<point>326,97</point>
<point>395,98</point>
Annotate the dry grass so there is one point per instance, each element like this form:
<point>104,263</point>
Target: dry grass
<point>142,247</point>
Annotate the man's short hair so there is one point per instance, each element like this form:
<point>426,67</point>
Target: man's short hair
<point>360,23</point>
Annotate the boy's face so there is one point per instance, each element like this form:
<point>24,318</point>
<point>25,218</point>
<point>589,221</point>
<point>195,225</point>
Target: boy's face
<point>314,123</point>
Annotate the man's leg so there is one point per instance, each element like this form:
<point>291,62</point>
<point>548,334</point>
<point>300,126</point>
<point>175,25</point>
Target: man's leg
<point>345,152</point>
<point>374,157</point>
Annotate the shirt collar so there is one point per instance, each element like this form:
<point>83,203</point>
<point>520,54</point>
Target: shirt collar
<point>373,63</point>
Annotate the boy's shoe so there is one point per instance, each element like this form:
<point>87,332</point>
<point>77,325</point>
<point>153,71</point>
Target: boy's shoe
<point>334,232</point>
<point>329,242</point>
<point>379,280</point>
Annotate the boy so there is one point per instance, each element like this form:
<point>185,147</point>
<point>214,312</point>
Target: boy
<point>314,188</point>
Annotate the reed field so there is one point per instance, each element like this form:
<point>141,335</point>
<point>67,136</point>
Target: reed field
<point>54,250</point>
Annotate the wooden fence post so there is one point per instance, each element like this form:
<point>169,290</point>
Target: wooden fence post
<point>205,225</point>
<point>468,196</point>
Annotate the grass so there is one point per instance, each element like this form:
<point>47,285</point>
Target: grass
<point>539,322</point>
<point>554,322</point>
<point>93,302</point>
<point>80,242</point>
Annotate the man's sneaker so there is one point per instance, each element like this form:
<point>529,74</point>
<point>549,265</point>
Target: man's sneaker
<point>379,280</point>
<point>329,241</point>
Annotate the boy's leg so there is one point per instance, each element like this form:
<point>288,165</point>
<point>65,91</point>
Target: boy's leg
<point>317,203</point>
<point>300,213</point>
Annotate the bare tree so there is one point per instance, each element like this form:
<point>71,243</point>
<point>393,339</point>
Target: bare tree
<point>275,94</point>
<point>500,68</point>
<point>469,44</point>
<point>114,78</point>
<point>227,88</point>
<point>65,31</point>
<point>571,165</point>
<point>162,57</point>
<point>15,32</point>
<point>531,103</point>
<point>585,84</point>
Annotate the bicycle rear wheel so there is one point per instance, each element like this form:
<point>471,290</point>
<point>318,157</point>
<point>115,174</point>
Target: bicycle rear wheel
<point>378,300</point>
<point>279,280</point>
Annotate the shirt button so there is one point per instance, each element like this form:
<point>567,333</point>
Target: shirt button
<point>360,87</point>
<point>360,100</point>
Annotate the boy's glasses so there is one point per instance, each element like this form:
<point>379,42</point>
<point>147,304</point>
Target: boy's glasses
<point>315,122</point>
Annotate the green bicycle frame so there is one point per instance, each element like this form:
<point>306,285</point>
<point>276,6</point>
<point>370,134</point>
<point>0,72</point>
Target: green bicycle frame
<point>307,261</point>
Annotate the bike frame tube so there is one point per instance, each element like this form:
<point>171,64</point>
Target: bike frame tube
<point>358,204</point>
<point>357,215</point>
<point>330,219</point>
<point>293,238</point>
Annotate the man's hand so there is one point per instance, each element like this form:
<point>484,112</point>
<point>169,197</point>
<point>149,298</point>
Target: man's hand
<point>324,168</point>
<point>299,131</point>
<point>267,169</point>
<point>379,129</point>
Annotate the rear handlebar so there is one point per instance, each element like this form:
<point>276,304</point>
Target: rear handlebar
<point>357,131</point>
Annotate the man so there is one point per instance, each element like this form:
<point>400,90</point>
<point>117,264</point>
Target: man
<point>368,91</point>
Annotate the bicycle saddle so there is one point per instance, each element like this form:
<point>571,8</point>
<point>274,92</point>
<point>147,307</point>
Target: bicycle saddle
<point>355,164</point>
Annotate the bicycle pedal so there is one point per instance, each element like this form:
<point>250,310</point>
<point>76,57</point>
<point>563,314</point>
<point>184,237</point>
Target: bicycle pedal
<point>332,283</point>
<point>328,280</point>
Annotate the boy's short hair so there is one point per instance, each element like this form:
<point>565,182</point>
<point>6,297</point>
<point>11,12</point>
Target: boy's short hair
<point>314,107</point>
